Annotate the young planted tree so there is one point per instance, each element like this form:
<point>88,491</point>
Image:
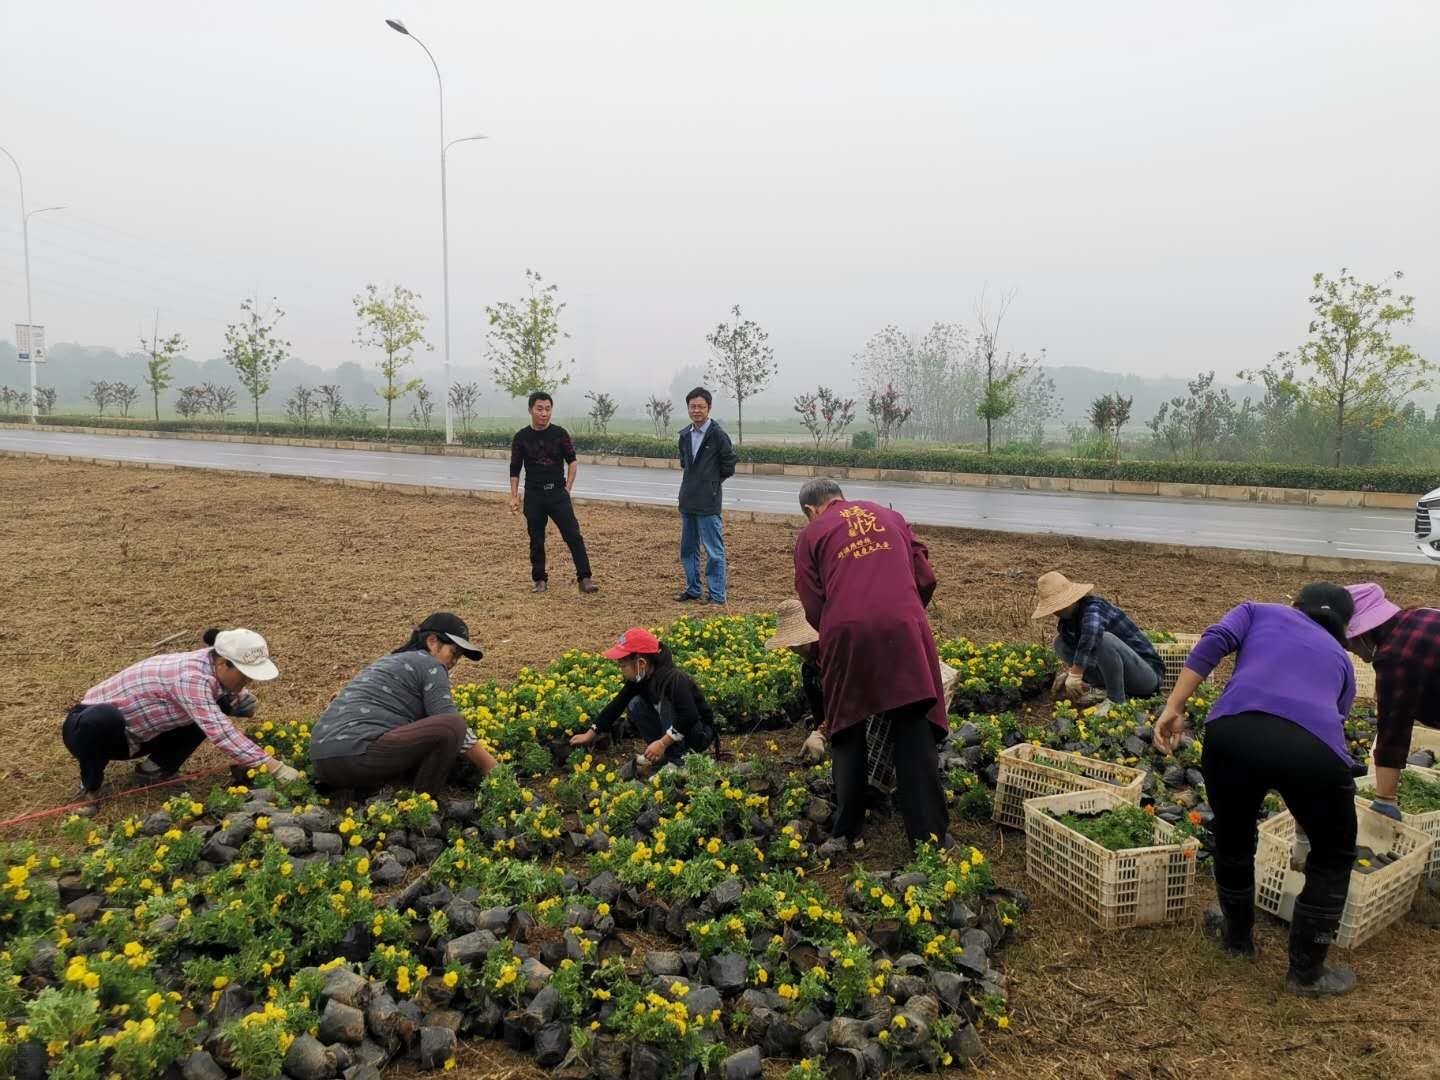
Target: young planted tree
<point>220,400</point>
<point>887,414</point>
<point>331,402</point>
<point>741,361</point>
<point>825,415</point>
<point>1193,425</point>
<point>10,399</point>
<point>190,402</point>
<point>602,411</point>
<point>395,325</point>
<point>424,408</point>
<point>1357,374</point>
<point>158,357</point>
<point>999,395</point>
<point>101,394</point>
<point>521,336</point>
<point>302,406</point>
<point>255,350</point>
<point>124,395</point>
<point>45,400</point>
<point>1108,414</point>
<point>659,410</point>
<point>464,399</point>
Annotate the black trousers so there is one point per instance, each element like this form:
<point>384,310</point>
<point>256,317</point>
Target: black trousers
<point>543,505</point>
<point>95,736</point>
<point>650,725</point>
<point>1249,755</point>
<point>919,795</point>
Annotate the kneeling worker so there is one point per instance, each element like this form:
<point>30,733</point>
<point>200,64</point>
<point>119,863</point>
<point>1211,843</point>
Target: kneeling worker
<point>668,709</point>
<point>1108,659</point>
<point>163,708</point>
<point>395,722</point>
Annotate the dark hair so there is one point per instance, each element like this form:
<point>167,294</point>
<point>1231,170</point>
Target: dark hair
<point>1329,605</point>
<point>699,392</point>
<point>417,641</point>
<point>539,395</point>
<point>209,636</point>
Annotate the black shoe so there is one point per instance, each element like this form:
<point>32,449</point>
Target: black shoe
<point>540,586</point>
<point>686,598</point>
<point>1232,926</point>
<point>1308,975</point>
<point>148,770</point>
<point>587,585</point>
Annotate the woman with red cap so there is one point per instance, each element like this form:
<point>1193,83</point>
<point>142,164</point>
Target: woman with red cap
<point>667,707</point>
<point>1404,647</point>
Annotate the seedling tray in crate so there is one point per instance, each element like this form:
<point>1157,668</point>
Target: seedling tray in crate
<point>1027,772</point>
<point>1376,899</point>
<point>1113,889</point>
<point>1428,822</point>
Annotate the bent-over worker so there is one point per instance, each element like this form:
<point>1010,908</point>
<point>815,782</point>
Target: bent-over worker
<point>1107,658</point>
<point>664,703</point>
<point>1279,724</point>
<point>395,722</point>
<point>163,708</point>
<point>1404,648</point>
<point>865,581</point>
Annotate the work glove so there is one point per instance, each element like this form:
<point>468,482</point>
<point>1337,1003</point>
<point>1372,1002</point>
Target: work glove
<point>284,773</point>
<point>815,749</point>
<point>1074,684</point>
<point>242,705</point>
<point>1058,686</point>
<point>1389,809</point>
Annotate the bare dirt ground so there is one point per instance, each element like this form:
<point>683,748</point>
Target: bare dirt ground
<point>100,563</point>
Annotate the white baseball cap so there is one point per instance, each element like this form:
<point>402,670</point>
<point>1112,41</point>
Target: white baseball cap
<point>248,652</point>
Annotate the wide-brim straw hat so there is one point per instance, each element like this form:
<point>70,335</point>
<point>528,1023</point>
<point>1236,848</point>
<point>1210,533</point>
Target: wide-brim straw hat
<point>949,679</point>
<point>792,629</point>
<point>1055,591</point>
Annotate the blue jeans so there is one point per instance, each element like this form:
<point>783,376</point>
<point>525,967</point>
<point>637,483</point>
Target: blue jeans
<point>1117,668</point>
<point>707,532</point>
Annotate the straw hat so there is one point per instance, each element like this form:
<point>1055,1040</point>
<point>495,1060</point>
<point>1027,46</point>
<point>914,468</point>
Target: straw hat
<point>949,679</point>
<point>1055,591</point>
<point>793,629</point>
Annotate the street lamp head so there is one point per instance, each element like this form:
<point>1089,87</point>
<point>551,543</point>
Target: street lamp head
<point>397,26</point>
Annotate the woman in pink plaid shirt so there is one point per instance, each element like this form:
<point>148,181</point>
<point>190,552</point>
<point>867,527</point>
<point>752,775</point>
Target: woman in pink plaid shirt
<point>163,708</point>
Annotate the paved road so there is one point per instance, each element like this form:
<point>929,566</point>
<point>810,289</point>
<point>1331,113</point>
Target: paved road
<point>1362,534</point>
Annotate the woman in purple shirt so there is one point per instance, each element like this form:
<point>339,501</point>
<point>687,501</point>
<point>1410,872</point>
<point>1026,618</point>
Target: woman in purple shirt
<point>1280,724</point>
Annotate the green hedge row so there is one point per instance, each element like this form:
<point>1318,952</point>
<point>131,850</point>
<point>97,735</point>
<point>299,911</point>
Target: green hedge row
<point>1240,473</point>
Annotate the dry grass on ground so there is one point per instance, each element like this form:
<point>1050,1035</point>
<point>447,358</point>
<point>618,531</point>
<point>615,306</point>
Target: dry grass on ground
<point>100,563</point>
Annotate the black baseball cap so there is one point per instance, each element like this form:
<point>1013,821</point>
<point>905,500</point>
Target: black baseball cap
<point>453,629</point>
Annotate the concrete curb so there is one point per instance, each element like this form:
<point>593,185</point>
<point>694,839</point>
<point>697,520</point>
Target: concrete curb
<point>1373,500</point>
<point>1319,564</point>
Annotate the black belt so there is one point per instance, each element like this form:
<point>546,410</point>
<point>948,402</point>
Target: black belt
<point>542,487</point>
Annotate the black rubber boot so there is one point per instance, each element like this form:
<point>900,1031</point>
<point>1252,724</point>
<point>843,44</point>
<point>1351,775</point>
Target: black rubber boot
<point>1237,923</point>
<point>1310,940</point>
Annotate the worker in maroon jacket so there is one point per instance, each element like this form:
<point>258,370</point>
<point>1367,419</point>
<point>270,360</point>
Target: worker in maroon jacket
<point>865,582</point>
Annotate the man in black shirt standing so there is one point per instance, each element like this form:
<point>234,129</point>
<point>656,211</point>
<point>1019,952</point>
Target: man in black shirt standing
<point>547,455</point>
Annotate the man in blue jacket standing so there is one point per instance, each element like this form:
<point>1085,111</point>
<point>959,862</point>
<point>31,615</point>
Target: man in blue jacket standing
<point>708,460</point>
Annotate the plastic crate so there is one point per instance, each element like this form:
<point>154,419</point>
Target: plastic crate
<point>1024,775</point>
<point>1175,653</point>
<point>1114,889</point>
<point>1428,823</point>
<point>1376,900</point>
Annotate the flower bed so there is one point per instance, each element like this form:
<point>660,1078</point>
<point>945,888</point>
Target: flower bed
<point>1140,886</point>
<point>1027,772</point>
<point>1378,896</point>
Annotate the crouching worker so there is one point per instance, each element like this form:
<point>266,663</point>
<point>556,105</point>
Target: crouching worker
<point>1106,659</point>
<point>395,723</point>
<point>163,708</point>
<point>669,711</point>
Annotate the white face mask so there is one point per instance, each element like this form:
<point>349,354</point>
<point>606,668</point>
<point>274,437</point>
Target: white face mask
<point>642,671</point>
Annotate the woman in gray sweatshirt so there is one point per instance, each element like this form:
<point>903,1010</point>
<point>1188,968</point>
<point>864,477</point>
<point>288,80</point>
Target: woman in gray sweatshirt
<point>395,722</point>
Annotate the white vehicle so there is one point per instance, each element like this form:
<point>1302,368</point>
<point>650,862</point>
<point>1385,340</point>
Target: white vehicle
<point>1427,525</point>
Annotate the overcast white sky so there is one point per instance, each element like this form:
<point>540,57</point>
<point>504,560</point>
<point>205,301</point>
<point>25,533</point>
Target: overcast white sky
<point>1157,180</point>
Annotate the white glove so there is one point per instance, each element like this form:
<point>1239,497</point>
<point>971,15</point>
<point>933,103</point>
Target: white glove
<point>244,705</point>
<point>284,773</point>
<point>815,749</point>
<point>1074,684</point>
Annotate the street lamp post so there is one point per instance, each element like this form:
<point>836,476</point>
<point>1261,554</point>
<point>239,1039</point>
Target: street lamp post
<point>400,28</point>
<point>25,240</point>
